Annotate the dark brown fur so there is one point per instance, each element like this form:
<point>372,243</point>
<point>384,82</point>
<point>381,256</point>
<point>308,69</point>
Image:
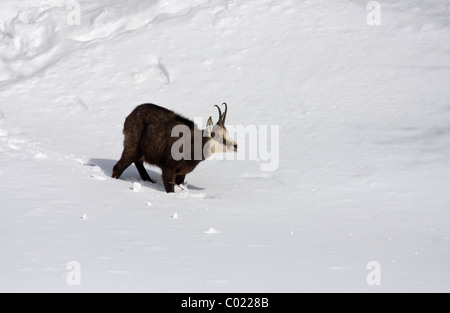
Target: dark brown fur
<point>148,139</point>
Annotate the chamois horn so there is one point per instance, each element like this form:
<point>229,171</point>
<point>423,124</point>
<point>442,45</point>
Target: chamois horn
<point>222,117</point>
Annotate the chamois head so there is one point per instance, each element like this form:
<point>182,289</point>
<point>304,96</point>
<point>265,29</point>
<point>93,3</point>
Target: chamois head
<point>220,139</point>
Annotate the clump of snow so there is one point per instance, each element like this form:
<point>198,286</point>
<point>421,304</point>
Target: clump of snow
<point>136,187</point>
<point>212,231</point>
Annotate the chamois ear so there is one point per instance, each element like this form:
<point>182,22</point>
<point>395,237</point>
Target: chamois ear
<point>209,126</point>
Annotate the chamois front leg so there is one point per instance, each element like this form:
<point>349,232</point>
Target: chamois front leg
<point>180,179</point>
<point>169,180</point>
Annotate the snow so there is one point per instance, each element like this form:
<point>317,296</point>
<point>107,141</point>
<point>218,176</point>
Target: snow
<point>212,231</point>
<point>358,174</point>
<point>136,187</point>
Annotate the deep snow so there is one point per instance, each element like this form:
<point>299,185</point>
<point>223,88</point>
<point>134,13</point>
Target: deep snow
<point>363,114</point>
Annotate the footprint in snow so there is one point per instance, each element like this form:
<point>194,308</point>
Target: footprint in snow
<point>97,177</point>
<point>97,172</point>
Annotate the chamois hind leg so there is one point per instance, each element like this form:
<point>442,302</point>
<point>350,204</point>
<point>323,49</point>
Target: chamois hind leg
<point>132,130</point>
<point>142,171</point>
<point>121,166</point>
<point>130,154</point>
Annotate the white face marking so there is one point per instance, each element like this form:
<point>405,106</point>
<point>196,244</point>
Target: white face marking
<point>222,140</point>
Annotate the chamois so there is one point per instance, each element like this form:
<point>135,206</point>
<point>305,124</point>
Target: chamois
<point>152,136</point>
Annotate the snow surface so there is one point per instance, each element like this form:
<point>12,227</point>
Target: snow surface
<point>364,146</point>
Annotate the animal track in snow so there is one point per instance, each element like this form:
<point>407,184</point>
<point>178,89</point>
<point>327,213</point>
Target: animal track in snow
<point>155,71</point>
<point>97,177</point>
<point>164,71</point>
<point>97,172</point>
